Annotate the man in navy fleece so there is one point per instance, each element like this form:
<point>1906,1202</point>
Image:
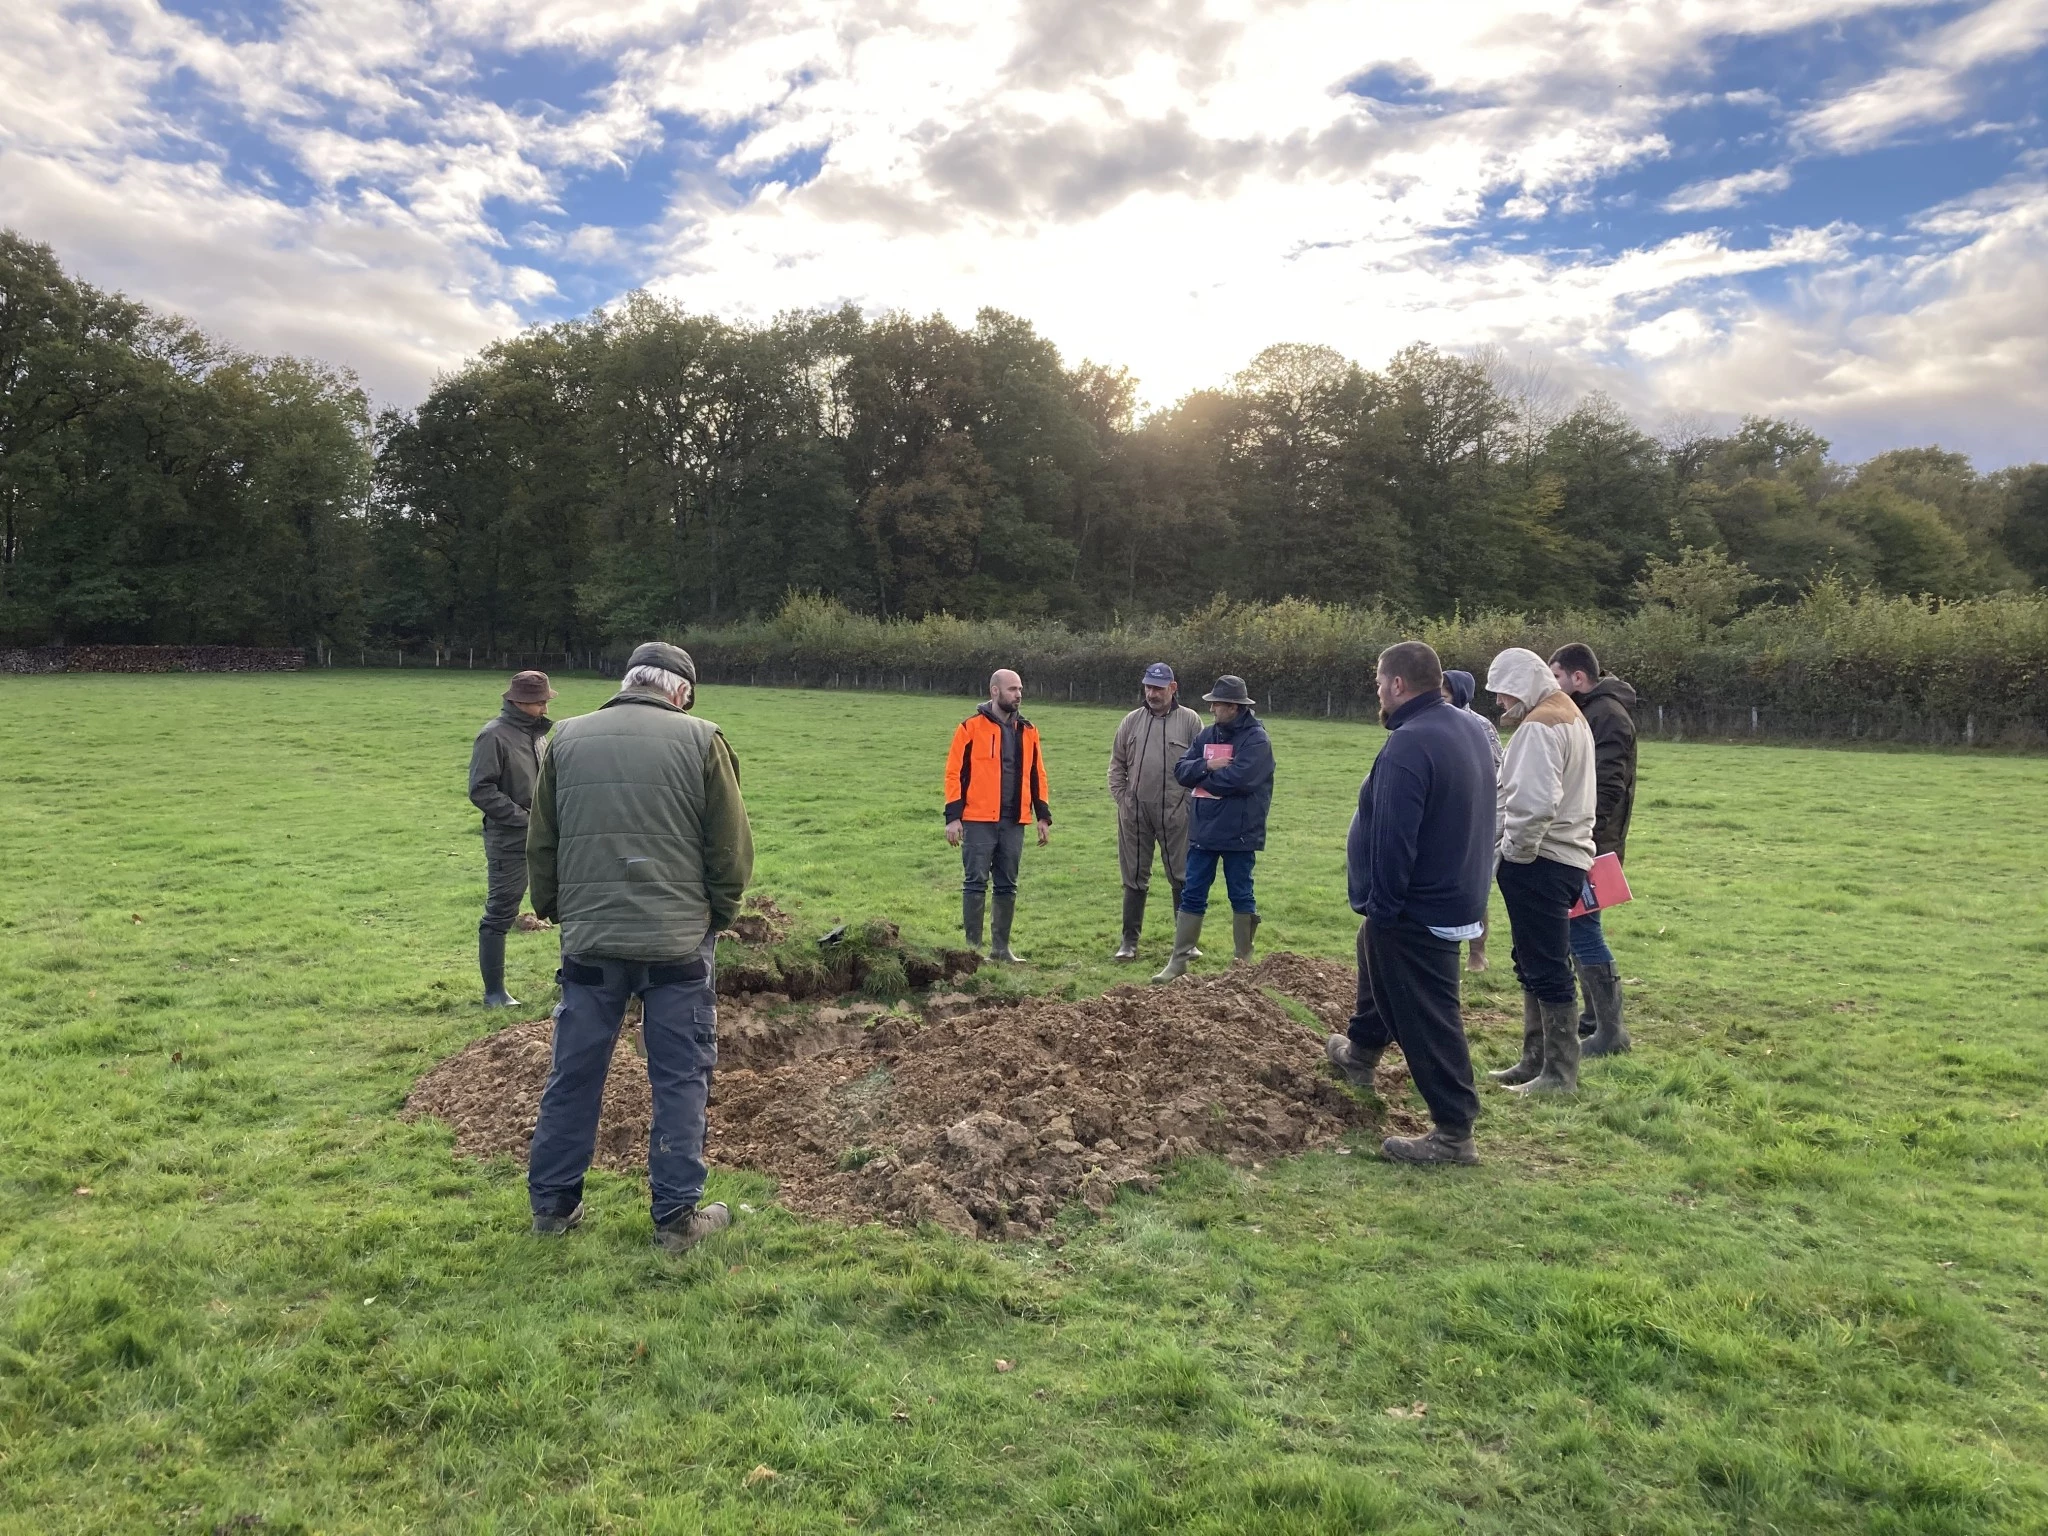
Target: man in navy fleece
<point>1421,855</point>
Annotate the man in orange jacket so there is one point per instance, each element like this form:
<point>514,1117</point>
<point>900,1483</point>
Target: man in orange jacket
<point>995,786</point>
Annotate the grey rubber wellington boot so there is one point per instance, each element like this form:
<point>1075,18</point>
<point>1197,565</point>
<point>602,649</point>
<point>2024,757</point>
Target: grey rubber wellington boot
<point>1187,927</point>
<point>1134,924</point>
<point>1560,1072</point>
<point>972,905</point>
<point>1193,954</point>
<point>1242,926</point>
<point>1532,1047</point>
<point>1003,912</point>
<point>1603,986</point>
<point>490,959</point>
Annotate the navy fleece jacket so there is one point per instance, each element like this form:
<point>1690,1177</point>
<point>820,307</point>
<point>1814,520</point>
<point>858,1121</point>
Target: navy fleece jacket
<point>1422,843</point>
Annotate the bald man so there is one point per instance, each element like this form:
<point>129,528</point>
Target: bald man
<point>995,787</point>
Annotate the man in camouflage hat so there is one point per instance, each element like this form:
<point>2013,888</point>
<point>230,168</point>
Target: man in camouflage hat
<point>502,768</point>
<point>1151,804</point>
<point>639,851</point>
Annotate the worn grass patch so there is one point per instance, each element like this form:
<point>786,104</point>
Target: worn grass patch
<point>1780,1269</point>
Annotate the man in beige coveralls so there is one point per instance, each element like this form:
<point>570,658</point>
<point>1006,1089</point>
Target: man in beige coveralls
<point>1151,805</point>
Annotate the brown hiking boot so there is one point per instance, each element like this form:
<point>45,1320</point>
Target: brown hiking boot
<point>1357,1066</point>
<point>558,1226</point>
<point>1532,1047</point>
<point>684,1230</point>
<point>1437,1147</point>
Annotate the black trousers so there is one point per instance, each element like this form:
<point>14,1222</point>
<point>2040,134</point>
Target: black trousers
<point>505,876</point>
<point>1539,895</point>
<point>1408,996</point>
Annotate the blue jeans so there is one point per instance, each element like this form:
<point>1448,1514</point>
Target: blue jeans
<point>1237,880</point>
<point>1589,944</point>
<point>680,1030</point>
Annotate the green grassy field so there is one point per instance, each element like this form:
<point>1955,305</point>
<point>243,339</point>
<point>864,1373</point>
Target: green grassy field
<point>1779,1270</point>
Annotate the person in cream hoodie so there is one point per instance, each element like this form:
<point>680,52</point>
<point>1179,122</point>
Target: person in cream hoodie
<point>1547,795</point>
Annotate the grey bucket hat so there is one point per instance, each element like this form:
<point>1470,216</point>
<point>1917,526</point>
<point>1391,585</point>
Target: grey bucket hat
<point>1229,689</point>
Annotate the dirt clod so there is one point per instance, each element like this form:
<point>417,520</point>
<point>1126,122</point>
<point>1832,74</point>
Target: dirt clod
<point>985,1119</point>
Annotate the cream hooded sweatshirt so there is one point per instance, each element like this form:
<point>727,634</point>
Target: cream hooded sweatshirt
<point>1546,778</point>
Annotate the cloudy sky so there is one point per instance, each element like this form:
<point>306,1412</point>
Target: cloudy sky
<point>1832,209</point>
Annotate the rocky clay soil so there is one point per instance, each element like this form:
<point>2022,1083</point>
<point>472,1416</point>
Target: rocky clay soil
<point>983,1117</point>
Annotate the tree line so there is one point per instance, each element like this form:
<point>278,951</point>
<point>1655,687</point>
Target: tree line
<point>646,468</point>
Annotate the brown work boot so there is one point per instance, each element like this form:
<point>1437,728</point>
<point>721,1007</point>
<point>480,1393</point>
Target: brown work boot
<point>1560,1072</point>
<point>1439,1146</point>
<point>1356,1065</point>
<point>684,1230</point>
<point>1532,1047</point>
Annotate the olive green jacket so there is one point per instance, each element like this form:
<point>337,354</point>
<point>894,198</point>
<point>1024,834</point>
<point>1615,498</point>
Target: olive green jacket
<point>639,847</point>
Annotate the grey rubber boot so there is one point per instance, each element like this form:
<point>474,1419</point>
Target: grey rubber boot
<point>1242,926</point>
<point>1357,1066</point>
<point>686,1229</point>
<point>1000,917</point>
<point>490,959</point>
<point>1193,954</point>
<point>1134,924</point>
<point>1560,1072</point>
<point>1187,927</point>
<point>972,905</point>
<point>1438,1146</point>
<point>1532,1047</point>
<point>1603,986</point>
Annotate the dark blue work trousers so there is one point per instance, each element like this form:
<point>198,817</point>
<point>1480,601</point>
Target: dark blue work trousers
<point>679,1027</point>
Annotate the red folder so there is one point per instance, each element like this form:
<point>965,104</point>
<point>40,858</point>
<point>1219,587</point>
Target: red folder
<point>1606,886</point>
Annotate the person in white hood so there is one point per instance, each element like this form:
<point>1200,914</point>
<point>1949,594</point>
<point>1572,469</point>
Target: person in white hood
<point>1546,846</point>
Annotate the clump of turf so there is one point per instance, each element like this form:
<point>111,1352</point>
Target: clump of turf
<point>868,957</point>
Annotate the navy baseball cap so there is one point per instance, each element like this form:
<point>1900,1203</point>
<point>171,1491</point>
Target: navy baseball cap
<point>1159,675</point>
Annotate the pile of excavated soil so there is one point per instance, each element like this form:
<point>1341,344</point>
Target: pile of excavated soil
<point>984,1118</point>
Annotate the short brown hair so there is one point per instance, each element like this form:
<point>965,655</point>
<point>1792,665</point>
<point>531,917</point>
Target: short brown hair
<point>1577,657</point>
<point>1415,663</point>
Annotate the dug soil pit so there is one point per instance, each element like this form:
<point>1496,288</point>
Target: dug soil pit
<point>985,1118</point>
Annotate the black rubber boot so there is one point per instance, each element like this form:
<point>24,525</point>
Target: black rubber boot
<point>1603,986</point>
<point>1242,926</point>
<point>1587,1021</point>
<point>1134,924</point>
<point>972,905</point>
<point>999,931</point>
<point>1560,1072</point>
<point>1187,927</point>
<point>490,959</point>
<point>1532,1047</point>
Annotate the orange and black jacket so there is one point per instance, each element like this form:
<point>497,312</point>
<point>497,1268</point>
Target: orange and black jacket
<point>974,772</point>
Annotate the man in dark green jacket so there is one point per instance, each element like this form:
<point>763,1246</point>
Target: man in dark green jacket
<point>639,851</point>
<point>502,768</point>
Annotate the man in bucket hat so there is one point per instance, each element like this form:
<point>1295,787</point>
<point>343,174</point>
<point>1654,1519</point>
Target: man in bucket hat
<point>1229,770</point>
<point>503,765</point>
<point>639,850</point>
<point>1151,804</point>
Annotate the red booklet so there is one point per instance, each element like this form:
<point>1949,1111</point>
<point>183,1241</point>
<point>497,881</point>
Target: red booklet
<point>1216,754</point>
<point>1606,886</point>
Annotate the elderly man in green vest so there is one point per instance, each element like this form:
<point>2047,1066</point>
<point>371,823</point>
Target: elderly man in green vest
<point>638,850</point>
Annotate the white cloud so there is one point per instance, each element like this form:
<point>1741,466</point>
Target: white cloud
<point>1729,191</point>
<point>1933,86</point>
<point>1170,184</point>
